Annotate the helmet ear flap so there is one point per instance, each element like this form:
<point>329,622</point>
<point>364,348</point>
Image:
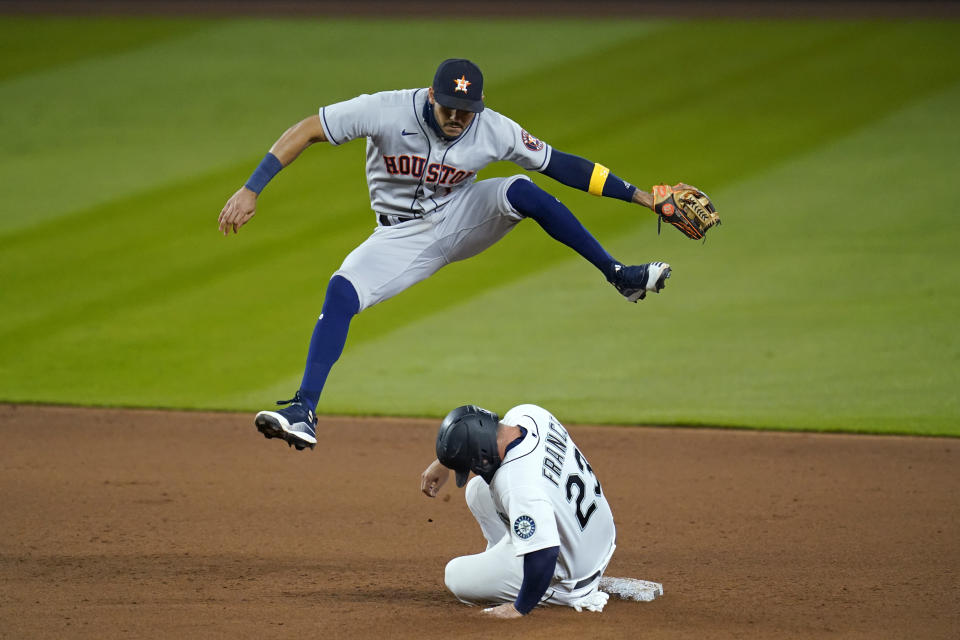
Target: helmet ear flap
<point>488,459</point>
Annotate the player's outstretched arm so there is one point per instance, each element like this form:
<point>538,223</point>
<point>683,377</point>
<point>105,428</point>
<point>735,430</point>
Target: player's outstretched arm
<point>433,478</point>
<point>592,177</point>
<point>595,178</point>
<point>242,205</point>
<point>686,207</point>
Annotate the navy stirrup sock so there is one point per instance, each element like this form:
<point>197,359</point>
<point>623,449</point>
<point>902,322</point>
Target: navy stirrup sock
<point>557,220</point>
<point>329,336</point>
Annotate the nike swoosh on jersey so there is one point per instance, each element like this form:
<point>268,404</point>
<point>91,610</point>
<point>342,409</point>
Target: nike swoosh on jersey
<point>404,132</point>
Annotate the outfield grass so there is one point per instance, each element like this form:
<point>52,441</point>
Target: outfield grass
<point>826,301</point>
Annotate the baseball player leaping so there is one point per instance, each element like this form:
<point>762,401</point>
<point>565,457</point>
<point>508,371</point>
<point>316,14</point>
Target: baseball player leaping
<point>424,149</point>
<point>540,506</point>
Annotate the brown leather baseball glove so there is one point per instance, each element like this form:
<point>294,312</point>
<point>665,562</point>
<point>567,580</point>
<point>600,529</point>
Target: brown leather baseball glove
<point>687,208</point>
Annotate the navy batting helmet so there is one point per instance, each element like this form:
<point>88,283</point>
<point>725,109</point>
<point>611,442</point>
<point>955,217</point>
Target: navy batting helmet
<point>467,441</point>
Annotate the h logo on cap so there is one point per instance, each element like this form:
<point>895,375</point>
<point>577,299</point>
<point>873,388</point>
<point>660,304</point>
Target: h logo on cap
<point>453,90</point>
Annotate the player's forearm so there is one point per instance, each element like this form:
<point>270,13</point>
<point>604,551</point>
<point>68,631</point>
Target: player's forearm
<point>591,177</point>
<point>538,568</point>
<point>643,198</point>
<point>285,150</point>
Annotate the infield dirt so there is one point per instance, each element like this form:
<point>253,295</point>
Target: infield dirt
<point>156,524</point>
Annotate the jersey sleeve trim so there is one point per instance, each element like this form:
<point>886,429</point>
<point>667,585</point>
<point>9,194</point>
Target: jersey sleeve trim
<point>326,128</point>
<point>546,159</point>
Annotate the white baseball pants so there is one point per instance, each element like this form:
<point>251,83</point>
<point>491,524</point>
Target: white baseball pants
<point>495,576</point>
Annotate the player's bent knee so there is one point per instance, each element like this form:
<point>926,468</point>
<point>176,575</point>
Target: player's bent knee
<point>454,577</point>
<point>529,200</point>
<point>341,297</point>
<point>522,194</point>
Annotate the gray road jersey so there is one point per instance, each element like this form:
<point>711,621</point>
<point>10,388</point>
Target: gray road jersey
<point>410,169</point>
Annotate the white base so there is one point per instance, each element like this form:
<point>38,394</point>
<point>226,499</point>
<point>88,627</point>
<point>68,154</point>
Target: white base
<point>632,588</point>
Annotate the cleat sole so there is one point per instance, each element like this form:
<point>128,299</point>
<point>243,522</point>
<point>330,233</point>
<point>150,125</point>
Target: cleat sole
<point>270,428</point>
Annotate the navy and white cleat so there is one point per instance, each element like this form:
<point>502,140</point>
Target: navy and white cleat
<point>295,424</point>
<point>634,282</point>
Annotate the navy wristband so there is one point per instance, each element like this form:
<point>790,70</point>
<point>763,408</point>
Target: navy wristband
<point>268,167</point>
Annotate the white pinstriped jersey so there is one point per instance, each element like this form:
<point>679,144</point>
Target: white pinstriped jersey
<point>410,169</point>
<point>548,495</point>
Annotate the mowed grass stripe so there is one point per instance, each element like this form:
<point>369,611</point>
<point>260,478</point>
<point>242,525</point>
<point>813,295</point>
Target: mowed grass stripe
<point>29,44</point>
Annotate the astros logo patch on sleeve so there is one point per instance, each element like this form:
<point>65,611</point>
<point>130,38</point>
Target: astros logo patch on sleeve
<point>524,527</point>
<point>530,142</point>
